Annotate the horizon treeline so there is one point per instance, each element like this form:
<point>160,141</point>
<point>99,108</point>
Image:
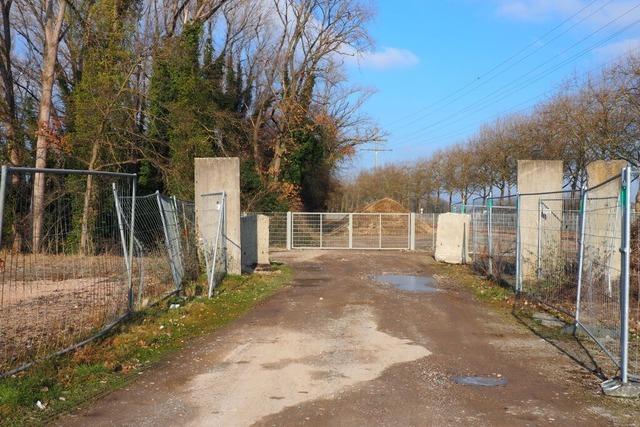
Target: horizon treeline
<point>596,117</point>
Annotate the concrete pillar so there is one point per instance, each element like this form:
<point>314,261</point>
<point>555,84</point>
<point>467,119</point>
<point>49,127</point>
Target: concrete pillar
<point>452,244</point>
<point>603,226</point>
<point>221,174</point>
<point>539,215</point>
<point>255,241</point>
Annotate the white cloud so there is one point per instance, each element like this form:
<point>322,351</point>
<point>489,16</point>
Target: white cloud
<point>537,9</point>
<point>385,59</point>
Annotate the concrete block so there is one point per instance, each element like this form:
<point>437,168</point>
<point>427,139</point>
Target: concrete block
<point>213,175</point>
<point>452,242</point>
<point>603,226</point>
<point>255,241</point>
<point>539,215</point>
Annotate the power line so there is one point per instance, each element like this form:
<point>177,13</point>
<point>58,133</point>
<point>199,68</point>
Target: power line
<point>507,60</point>
<point>506,88</point>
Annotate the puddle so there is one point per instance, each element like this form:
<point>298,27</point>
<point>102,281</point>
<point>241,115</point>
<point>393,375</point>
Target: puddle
<point>408,283</point>
<point>480,381</point>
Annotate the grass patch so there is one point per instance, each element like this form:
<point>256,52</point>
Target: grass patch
<point>63,383</point>
<point>484,289</point>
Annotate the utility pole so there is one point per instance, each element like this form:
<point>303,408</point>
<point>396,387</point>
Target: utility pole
<point>376,150</point>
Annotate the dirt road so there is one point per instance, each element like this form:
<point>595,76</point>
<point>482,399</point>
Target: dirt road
<point>339,348</point>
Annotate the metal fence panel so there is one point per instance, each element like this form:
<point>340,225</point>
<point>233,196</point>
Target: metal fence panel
<point>426,226</point>
<point>213,238</point>
<point>65,275</point>
<point>549,246</point>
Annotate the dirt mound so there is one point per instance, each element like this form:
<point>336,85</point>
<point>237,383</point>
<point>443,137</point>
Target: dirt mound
<point>386,205</point>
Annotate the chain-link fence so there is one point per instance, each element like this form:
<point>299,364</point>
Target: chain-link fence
<point>79,251</point>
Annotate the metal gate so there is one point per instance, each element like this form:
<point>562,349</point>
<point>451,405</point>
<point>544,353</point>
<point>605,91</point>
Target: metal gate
<point>351,230</point>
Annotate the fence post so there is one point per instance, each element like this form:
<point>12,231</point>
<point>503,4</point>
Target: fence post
<point>518,250</point>
<point>490,233</point>
<point>3,191</point>
<point>134,186</point>
<point>121,228</point>
<point>165,229</point>
<point>539,248</point>
<point>321,231</point>
<point>380,231</point>
<point>412,231</point>
<point>583,217</point>
<point>434,230</point>
<point>350,231</point>
<point>289,230</point>
<point>624,280</point>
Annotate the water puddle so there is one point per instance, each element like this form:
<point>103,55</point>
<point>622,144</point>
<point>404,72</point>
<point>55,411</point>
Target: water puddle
<point>480,381</point>
<point>408,283</point>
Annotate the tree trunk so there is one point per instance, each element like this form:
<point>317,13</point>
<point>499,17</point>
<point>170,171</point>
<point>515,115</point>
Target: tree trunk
<point>86,208</point>
<point>53,26</point>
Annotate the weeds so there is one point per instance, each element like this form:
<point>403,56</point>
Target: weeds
<point>63,383</point>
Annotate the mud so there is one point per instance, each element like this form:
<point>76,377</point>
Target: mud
<point>338,348</point>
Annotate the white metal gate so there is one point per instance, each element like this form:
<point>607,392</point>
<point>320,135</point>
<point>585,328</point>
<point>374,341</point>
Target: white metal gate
<point>351,230</point>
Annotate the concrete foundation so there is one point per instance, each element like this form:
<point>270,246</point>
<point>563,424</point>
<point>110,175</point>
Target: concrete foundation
<point>213,175</point>
<point>452,242</point>
<point>539,215</point>
<point>603,225</point>
<point>255,241</point>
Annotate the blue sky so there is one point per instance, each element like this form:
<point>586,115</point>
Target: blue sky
<point>434,63</point>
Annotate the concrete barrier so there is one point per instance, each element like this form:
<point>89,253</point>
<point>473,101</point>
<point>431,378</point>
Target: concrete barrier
<point>221,174</point>
<point>538,176</point>
<point>452,242</point>
<point>603,226</point>
<point>255,241</point>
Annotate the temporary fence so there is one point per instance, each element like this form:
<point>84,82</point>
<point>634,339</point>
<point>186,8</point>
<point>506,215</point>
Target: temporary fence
<point>80,250</point>
<point>576,252</point>
<point>65,260</point>
<point>548,235</point>
<point>213,237</point>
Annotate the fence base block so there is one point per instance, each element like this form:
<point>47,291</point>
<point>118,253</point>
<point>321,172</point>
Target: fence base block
<point>614,387</point>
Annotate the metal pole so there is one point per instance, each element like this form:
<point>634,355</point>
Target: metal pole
<point>176,224</point>
<point>121,227</point>
<point>3,191</point>
<point>518,260</point>
<point>289,230</point>
<point>434,229</point>
<point>583,217</point>
<point>350,231</point>
<point>320,231</point>
<point>134,186</point>
<point>538,249</point>
<point>490,234</point>
<point>174,273</point>
<point>624,291</point>
<point>379,231</point>
<point>412,231</point>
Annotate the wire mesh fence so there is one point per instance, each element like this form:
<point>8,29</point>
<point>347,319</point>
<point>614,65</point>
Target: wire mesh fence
<point>79,251</point>
<point>212,237</point>
<point>426,227</point>
<point>350,230</point>
<point>277,228</point>
<point>549,244</point>
<point>64,275</point>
